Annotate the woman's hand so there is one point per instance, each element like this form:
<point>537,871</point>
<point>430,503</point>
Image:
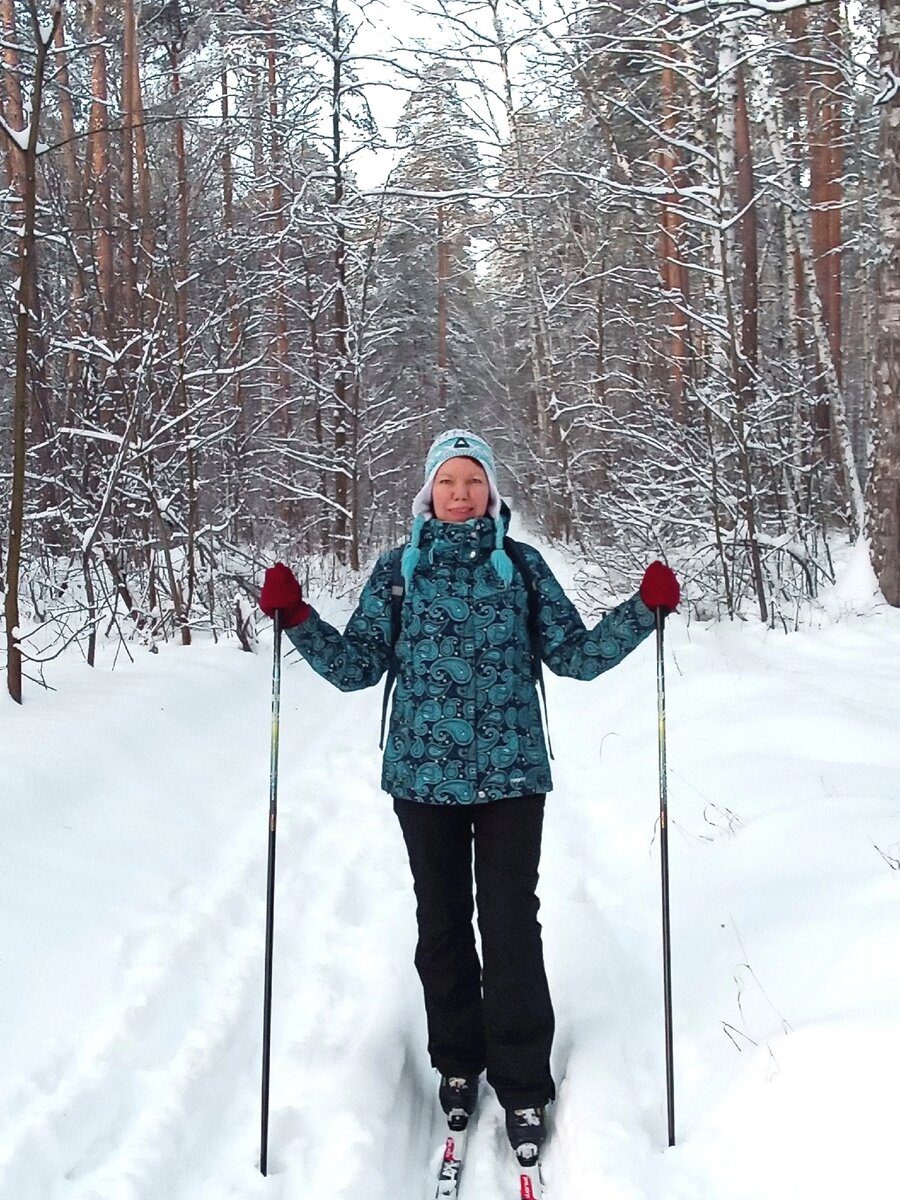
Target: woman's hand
<point>281,592</point>
<point>659,588</point>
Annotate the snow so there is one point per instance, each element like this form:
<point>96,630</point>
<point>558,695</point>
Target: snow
<point>856,587</point>
<point>19,136</point>
<point>134,808</point>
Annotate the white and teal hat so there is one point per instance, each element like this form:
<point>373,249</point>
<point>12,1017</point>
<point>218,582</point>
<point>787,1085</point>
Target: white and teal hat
<point>457,443</point>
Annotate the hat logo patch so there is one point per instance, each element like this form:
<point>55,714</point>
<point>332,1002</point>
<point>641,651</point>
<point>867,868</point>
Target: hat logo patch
<point>461,443</point>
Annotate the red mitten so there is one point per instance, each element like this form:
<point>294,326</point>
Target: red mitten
<point>281,592</point>
<point>659,588</point>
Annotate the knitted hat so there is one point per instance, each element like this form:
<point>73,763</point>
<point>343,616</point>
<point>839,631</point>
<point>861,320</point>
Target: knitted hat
<point>456,443</point>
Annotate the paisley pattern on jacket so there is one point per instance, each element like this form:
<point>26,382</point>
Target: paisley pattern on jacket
<point>466,724</point>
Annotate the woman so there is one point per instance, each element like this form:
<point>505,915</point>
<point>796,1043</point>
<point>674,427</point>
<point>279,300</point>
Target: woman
<point>466,761</point>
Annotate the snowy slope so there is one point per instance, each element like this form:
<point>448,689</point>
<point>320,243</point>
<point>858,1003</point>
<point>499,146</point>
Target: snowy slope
<point>134,814</point>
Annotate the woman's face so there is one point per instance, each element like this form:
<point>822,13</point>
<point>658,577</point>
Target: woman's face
<point>461,490</point>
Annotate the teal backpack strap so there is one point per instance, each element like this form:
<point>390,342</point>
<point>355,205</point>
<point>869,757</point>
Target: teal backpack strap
<point>514,550</point>
<point>397,590</point>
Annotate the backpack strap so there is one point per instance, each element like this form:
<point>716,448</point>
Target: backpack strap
<point>514,550</point>
<point>397,590</point>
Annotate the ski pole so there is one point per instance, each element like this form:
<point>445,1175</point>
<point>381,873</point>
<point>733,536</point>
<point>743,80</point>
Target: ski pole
<point>664,861</point>
<point>270,895</point>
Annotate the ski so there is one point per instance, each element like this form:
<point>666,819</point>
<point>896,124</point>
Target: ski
<point>531,1184</point>
<point>452,1160</point>
<point>453,1157</point>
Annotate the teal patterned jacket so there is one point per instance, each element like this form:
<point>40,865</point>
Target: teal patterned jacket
<point>466,724</point>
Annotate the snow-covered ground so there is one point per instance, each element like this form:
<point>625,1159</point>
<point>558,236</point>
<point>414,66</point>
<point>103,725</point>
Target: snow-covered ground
<point>134,811</point>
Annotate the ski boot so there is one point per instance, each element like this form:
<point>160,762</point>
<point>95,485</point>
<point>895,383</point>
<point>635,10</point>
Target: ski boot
<point>526,1129</point>
<point>458,1096</point>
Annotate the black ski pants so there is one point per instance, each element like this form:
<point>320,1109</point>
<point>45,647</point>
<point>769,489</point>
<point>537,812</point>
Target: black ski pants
<point>494,1014</point>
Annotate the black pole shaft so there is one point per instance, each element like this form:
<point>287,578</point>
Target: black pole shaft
<point>270,896</point>
<point>664,867</point>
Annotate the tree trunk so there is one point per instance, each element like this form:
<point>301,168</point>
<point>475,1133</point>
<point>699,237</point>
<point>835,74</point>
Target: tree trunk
<point>341,365</point>
<point>128,257</point>
<point>235,331</point>
<point>825,149</point>
<point>884,483</point>
<point>11,92</point>
<point>443,272</point>
<point>148,239</point>
<point>226,161</point>
<point>729,141</point>
<point>277,203</point>
<point>98,160</point>
<point>827,164</point>
<point>28,281</point>
<point>746,201</point>
<point>183,601</point>
<point>673,269</point>
<point>77,218</point>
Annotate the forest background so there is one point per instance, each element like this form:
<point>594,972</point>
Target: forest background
<point>255,255</point>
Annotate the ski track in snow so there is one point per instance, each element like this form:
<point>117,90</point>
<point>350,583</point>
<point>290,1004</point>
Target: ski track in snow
<point>121,1109</point>
<point>146,1106</point>
<point>153,1093</point>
